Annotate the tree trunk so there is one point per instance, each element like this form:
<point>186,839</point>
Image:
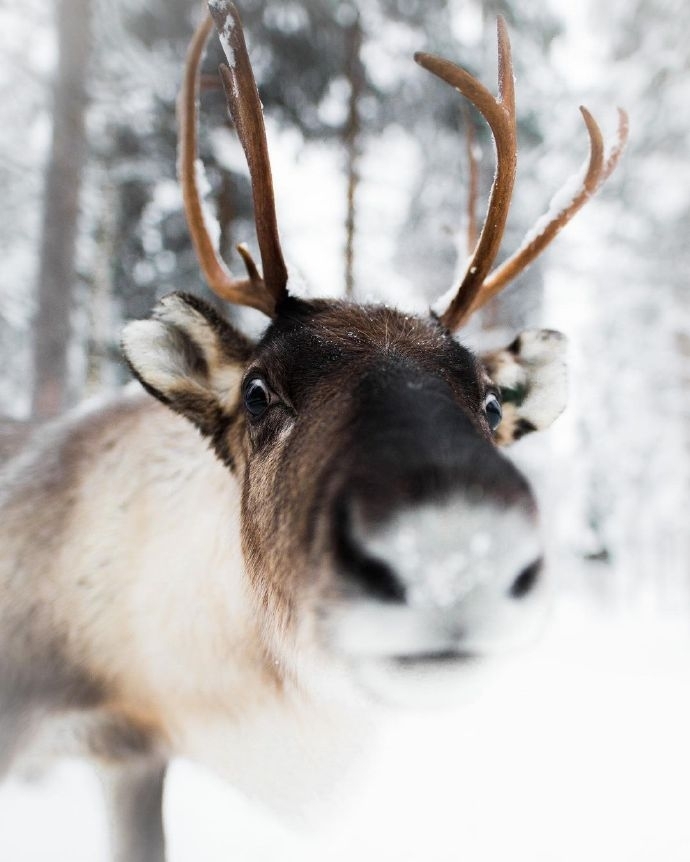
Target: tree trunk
<point>351,136</point>
<point>61,210</point>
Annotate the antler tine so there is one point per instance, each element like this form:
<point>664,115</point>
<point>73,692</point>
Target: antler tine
<point>247,113</point>
<point>249,291</point>
<point>547,229</point>
<point>500,115</point>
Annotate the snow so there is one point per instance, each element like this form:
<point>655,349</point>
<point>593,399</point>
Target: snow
<point>558,204</point>
<point>225,35</point>
<point>578,750</point>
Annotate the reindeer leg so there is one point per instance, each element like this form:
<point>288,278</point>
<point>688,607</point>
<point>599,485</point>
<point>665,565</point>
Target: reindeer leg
<point>18,720</point>
<point>135,800</point>
<point>12,732</point>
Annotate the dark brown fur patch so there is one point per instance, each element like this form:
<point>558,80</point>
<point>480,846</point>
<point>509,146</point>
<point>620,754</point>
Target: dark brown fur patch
<point>522,427</point>
<point>119,738</point>
<point>236,346</point>
<point>188,351</point>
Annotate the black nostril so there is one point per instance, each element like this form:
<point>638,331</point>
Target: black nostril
<point>374,576</point>
<point>526,580</point>
<point>377,578</point>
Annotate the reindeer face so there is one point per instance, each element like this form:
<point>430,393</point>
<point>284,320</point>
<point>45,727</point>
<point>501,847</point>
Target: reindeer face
<point>381,526</point>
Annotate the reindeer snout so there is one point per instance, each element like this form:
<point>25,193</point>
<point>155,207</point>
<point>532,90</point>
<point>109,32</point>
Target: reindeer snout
<point>437,554</point>
<point>435,540</point>
<point>443,578</point>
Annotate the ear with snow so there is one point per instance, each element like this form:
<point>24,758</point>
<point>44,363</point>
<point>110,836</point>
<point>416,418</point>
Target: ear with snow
<point>532,376</point>
<point>189,358</point>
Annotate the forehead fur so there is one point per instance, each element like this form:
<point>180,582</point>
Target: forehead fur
<point>308,337</point>
<point>356,326</point>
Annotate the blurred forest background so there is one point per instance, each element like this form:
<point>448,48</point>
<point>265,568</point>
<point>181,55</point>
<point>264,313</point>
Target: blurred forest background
<point>371,182</point>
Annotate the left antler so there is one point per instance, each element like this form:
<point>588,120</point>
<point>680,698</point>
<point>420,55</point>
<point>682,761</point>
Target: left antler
<point>479,283</point>
<point>247,114</point>
<point>263,293</point>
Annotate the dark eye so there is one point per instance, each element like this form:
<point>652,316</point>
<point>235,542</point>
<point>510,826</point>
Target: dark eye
<point>492,408</point>
<point>256,397</point>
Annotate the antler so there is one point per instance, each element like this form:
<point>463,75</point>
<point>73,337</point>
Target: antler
<point>245,108</point>
<point>479,283</point>
<point>550,225</point>
<point>500,115</point>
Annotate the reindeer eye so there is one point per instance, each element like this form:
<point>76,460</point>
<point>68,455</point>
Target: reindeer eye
<point>492,408</point>
<point>256,397</point>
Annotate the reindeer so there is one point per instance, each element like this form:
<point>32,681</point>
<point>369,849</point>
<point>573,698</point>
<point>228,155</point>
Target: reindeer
<point>290,529</point>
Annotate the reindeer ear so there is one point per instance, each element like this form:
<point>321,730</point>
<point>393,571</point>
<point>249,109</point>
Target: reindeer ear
<point>532,376</point>
<point>189,358</point>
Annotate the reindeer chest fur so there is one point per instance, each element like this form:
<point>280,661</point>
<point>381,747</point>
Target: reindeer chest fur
<point>156,629</point>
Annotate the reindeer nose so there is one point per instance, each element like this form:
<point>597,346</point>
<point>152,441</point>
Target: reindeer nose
<point>460,574</point>
<point>439,553</point>
<point>438,545</point>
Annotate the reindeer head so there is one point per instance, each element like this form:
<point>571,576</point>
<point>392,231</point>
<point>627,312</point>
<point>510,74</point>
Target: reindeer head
<point>382,528</point>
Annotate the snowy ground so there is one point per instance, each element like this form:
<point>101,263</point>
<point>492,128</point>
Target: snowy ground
<point>579,751</point>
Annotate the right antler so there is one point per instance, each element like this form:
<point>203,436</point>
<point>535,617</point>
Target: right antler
<point>263,293</point>
<point>479,283</point>
<point>500,115</point>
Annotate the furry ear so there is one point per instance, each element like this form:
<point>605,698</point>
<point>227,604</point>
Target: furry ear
<point>532,376</point>
<point>189,358</point>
